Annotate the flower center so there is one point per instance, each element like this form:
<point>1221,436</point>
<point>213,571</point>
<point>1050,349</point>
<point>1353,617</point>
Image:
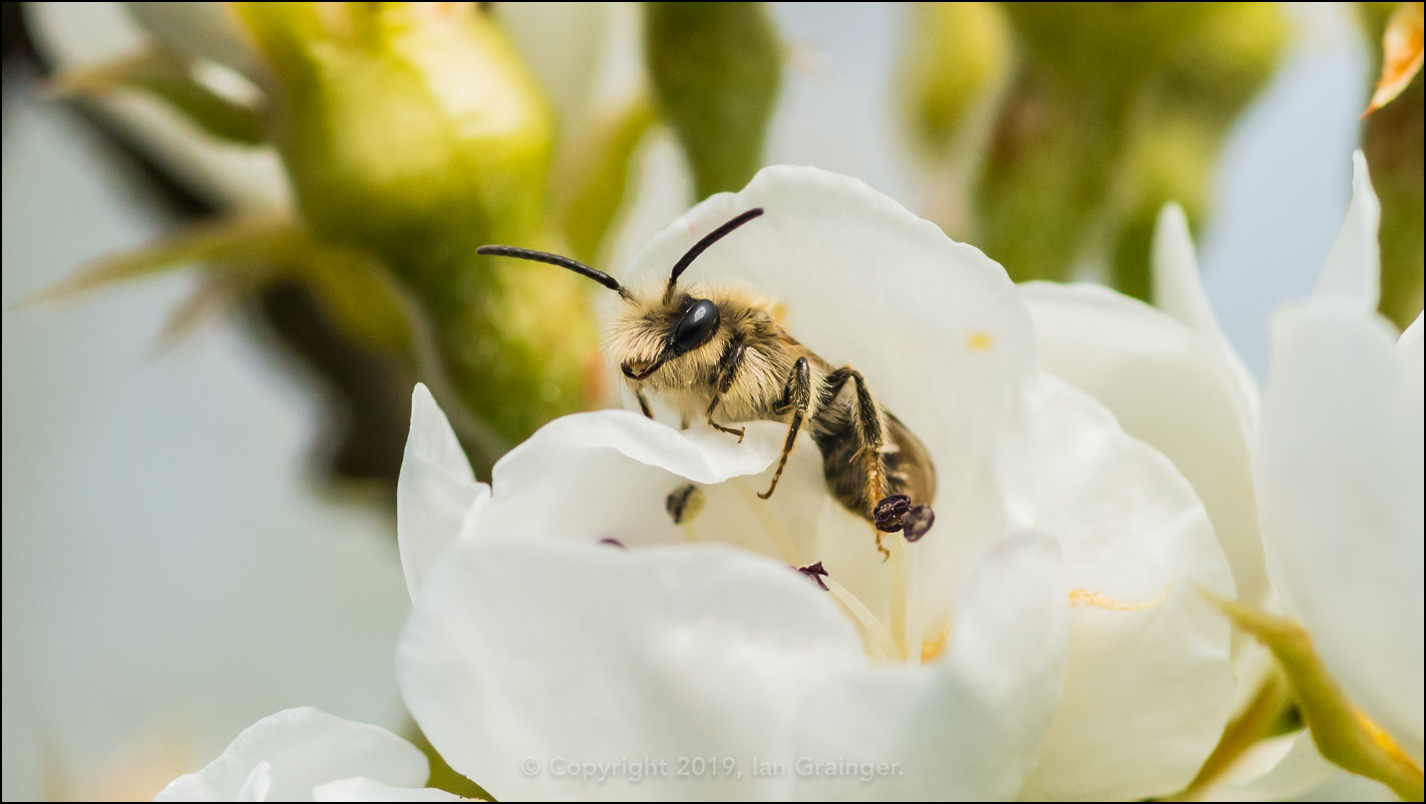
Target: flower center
<point>900,639</point>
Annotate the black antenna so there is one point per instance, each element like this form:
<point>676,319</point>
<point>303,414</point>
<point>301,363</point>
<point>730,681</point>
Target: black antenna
<point>554,259</point>
<point>702,245</point>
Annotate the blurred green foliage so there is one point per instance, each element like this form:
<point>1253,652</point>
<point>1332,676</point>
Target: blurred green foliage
<point>411,134</point>
<point>1109,111</point>
<point>1393,142</point>
<point>716,69</point>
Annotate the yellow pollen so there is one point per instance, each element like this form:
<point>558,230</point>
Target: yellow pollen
<point>932,649</point>
<point>1383,739</point>
<point>1084,597</point>
<point>980,341</point>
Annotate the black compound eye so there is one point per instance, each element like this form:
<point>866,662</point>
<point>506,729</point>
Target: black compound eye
<point>698,324</point>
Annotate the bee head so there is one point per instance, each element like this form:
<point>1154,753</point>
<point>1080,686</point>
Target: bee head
<point>694,322</point>
<point>687,325</point>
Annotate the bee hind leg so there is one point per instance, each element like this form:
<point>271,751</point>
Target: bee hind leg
<point>870,438</point>
<point>796,396</point>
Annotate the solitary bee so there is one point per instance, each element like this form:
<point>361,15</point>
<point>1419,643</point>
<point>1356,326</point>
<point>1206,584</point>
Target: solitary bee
<point>720,354</point>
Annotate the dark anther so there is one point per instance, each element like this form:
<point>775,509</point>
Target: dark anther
<point>888,513</point>
<point>684,503</point>
<point>816,573</point>
<point>613,543</point>
<point>917,521</point>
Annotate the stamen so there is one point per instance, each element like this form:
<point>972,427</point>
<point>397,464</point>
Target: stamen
<point>890,511</point>
<point>897,561</point>
<point>915,634</point>
<point>613,543</point>
<point>766,518</point>
<point>917,522</point>
<point>881,647</point>
<point>1084,597</point>
<point>815,572</point>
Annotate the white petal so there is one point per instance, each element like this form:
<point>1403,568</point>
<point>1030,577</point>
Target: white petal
<point>1352,273</point>
<point>935,326</point>
<point>1169,387</point>
<point>258,784</point>
<point>435,491</point>
<point>558,652</point>
<point>1178,291</point>
<point>965,728</point>
<point>361,788</point>
<point>1340,479</point>
<point>1148,691</point>
<point>608,474</point>
<point>302,748</point>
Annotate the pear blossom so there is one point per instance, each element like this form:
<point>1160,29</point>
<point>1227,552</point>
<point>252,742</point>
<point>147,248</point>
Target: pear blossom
<point>1043,640</point>
<point>1171,379</point>
<point>617,615</point>
<point>1340,477</point>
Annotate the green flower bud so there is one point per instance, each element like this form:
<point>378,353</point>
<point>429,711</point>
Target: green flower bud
<point>958,57</point>
<point>716,68</point>
<point>1118,109</point>
<point>413,132</point>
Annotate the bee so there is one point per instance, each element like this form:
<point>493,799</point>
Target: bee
<point>721,355</point>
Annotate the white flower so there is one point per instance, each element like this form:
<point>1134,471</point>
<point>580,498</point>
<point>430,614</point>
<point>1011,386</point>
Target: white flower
<point>1340,477</point>
<point>1338,470</point>
<point>306,755</point>
<point>530,639</point>
<point>1171,379</point>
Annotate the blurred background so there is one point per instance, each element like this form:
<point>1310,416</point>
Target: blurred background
<point>201,431</point>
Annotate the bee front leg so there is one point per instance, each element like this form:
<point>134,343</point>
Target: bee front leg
<point>728,367</point>
<point>796,396</point>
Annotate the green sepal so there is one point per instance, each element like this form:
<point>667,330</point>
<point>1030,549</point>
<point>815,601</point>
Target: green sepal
<point>239,256</point>
<point>1344,734</point>
<point>170,77</point>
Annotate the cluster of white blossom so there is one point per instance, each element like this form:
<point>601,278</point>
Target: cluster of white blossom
<point>1101,463</point>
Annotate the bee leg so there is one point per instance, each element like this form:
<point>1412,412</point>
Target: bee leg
<point>644,404</point>
<point>796,395</point>
<point>728,367</point>
<point>868,432</point>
